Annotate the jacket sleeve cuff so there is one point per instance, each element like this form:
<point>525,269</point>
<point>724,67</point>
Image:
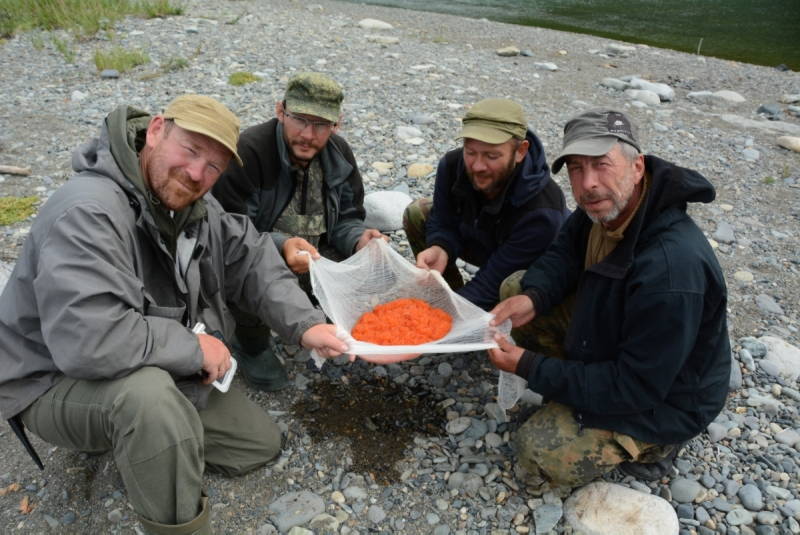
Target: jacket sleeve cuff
<point>528,363</point>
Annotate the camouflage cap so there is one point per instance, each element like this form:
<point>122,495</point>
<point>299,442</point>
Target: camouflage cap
<point>206,116</point>
<point>313,93</point>
<point>594,133</point>
<point>495,121</point>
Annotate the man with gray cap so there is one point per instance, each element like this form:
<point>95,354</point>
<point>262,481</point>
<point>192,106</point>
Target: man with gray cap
<point>644,357</point>
<point>103,321</point>
<point>299,182</point>
<point>494,203</point>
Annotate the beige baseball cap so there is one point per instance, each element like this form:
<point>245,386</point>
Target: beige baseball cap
<point>206,116</point>
<point>495,121</point>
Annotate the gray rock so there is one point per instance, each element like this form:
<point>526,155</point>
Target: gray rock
<point>751,497</point>
<point>354,493</point>
<point>294,509</point>
<point>115,516</point>
<point>458,425</point>
<point>784,355</point>
<point>790,437</point>
<point>716,432</point>
<point>768,518</point>
<point>664,92</point>
<point>768,304</point>
<point>735,380</point>
<point>546,66</point>
<point>685,490</point>
<point>756,347</point>
<point>747,359</point>
<point>545,517</point>
<point>724,233</point>
<point>52,522</point>
<point>109,74</point>
<point>69,518</point>
<point>614,49</point>
<point>508,51</point>
<point>643,95</point>
<point>376,514</point>
<point>751,155</point>
<point>738,516</point>
<point>324,523</point>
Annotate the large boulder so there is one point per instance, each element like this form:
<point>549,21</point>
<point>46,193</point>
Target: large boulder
<point>385,210</point>
<point>602,508</point>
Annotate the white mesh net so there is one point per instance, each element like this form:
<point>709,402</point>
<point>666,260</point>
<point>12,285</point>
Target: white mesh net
<point>377,274</point>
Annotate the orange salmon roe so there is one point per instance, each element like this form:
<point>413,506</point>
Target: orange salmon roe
<point>402,322</point>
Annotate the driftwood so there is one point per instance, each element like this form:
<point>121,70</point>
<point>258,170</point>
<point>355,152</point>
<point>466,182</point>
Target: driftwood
<point>14,170</point>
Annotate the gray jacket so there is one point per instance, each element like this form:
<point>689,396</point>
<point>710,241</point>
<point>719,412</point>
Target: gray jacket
<point>102,287</point>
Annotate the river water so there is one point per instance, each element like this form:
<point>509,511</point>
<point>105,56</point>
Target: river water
<point>753,31</point>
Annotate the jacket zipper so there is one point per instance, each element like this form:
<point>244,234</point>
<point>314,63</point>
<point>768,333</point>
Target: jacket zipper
<point>304,192</point>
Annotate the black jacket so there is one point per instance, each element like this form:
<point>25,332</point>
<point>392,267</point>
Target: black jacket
<point>263,187</point>
<point>501,236</point>
<point>647,348</point>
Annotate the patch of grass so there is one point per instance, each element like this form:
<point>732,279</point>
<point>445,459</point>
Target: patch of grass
<point>84,17</point>
<point>37,41</point>
<point>64,48</point>
<point>120,59</point>
<point>768,180</point>
<point>13,209</point>
<point>242,78</point>
<point>174,64</point>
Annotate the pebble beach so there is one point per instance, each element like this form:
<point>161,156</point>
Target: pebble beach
<point>408,78</point>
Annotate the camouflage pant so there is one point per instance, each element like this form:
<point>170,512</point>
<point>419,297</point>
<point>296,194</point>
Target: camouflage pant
<point>414,219</point>
<point>550,444</point>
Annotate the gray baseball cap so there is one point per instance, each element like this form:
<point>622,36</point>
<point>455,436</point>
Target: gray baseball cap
<point>594,133</point>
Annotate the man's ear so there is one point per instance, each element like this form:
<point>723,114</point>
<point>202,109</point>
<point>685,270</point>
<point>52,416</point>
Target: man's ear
<point>338,123</point>
<point>156,131</point>
<point>638,168</point>
<point>279,110</point>
<point>522,150</point>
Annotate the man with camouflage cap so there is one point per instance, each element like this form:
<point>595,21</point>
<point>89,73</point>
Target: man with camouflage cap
<point>644,358</point>
<point>97,347</point>
<point>494,204</point>
<point>299,182</point>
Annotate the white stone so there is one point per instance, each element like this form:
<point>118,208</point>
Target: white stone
<point>790,99</point>
<point>374,24</point>
<point>777,126</point>
<point>78,96</point>
<point>664,92</point>
<point>790,142</point>
<point>385,210</point>
<point>602,508</point>
<point>643,95</point>
<point>407,132</point>
<point>743,276</point>
<point>614,83</point>
<point>5,272</point>
<point>508,51</point>
<point>382,168</point>
<point>546,66</point>
<point>729,96</point>
<point>784,355</point>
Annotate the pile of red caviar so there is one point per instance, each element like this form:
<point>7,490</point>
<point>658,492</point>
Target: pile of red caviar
<point>402,322</point>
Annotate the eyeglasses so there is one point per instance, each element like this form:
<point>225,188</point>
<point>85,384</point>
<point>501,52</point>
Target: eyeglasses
<point>318,127</point>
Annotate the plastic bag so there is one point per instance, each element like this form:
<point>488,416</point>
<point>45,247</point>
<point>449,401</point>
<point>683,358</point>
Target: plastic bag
<point>377,274</point>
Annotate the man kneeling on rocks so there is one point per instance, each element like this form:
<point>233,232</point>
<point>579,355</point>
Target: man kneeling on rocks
<point>97,349</point>
<point>299,182</point>
<point>623,318</point>
<point>494,203</point>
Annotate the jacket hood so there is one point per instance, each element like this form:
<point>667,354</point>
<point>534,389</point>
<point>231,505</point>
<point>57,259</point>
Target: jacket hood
<point>114,153</point>
<point>672,186</point>
<point>532,174</point>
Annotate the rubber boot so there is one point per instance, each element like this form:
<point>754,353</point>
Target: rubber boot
<point>200,525</point>
<point>651,471</point>
<point>257,361</point>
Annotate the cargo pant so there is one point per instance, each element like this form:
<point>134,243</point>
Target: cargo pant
<point>414,218</point>
<point>551,445</point>
<point>159,440</point>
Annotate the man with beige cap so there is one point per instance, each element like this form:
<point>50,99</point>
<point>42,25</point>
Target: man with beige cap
<point>100,340</point>
<point>299,182</point>
<point>634,357</point>
<point>494,203</point>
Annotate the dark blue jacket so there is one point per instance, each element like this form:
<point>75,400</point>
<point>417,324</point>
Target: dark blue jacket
<point>647,349</point>
<point>500,236</point>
